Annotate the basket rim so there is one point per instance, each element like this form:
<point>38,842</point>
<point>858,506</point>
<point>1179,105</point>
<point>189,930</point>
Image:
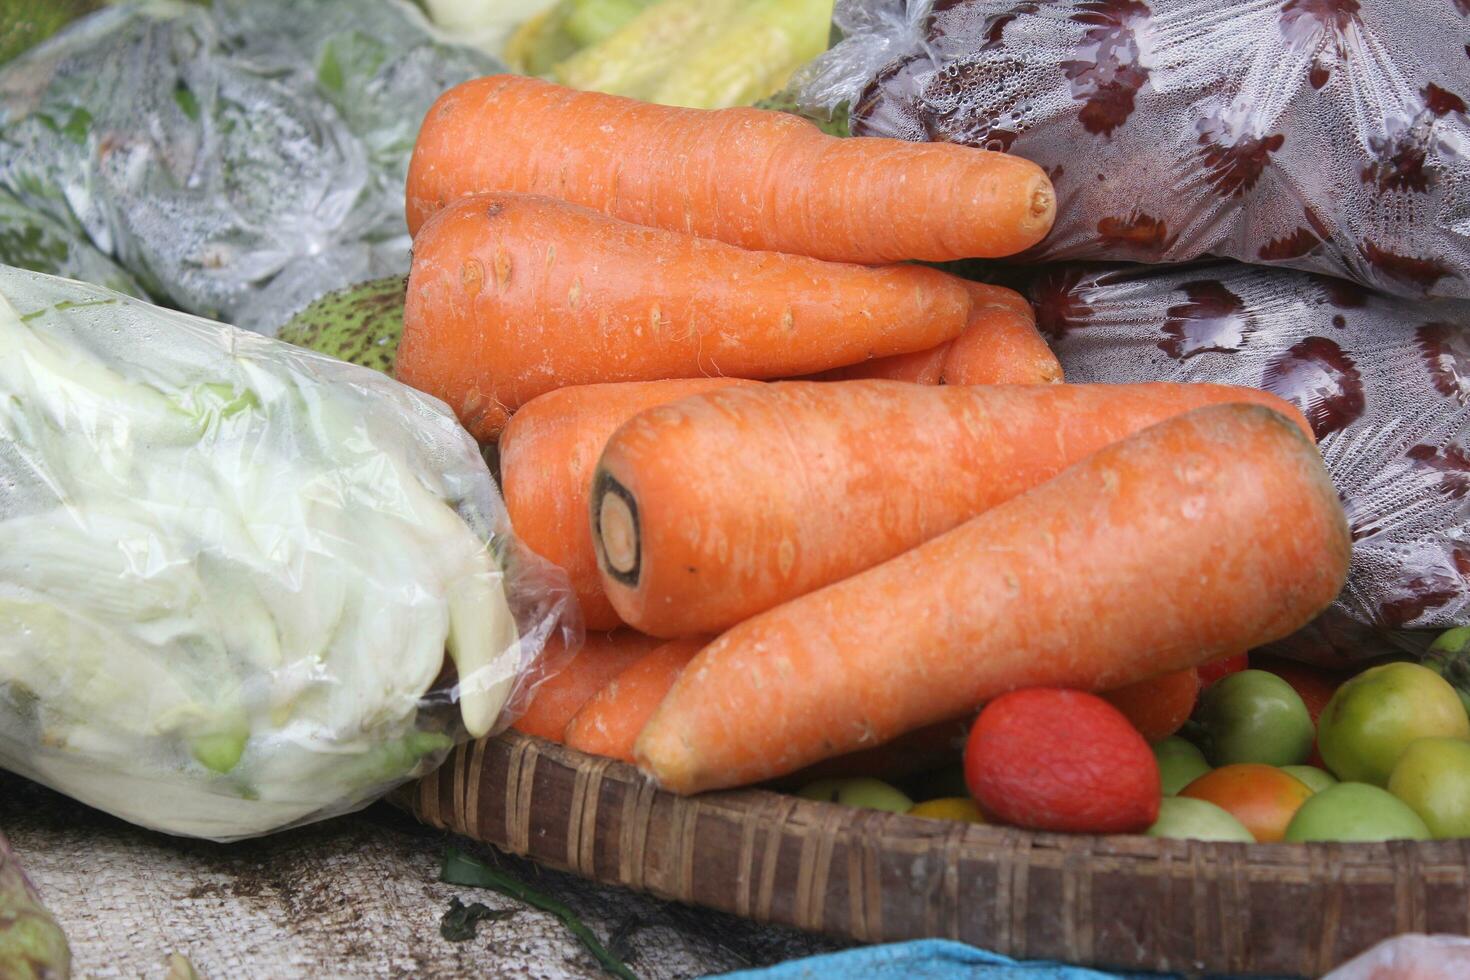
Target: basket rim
<point>1124,901</point>
<point>819,812</point>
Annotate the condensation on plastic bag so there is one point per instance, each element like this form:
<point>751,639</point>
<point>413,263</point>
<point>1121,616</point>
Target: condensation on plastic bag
<point>230,570</point>
<point>1410,957</point>
<point>32,240</point>
<point>1326,135</point>
<point>238,159</point>
<point>1384,382</point>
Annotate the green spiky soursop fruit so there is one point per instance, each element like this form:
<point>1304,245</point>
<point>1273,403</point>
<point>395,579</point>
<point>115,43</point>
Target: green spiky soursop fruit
<point>361,324</point>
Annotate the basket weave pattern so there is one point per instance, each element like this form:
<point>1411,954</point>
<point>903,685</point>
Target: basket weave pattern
<point>1120,902</point>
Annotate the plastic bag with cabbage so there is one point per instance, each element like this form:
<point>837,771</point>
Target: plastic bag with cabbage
<point>230,570</point>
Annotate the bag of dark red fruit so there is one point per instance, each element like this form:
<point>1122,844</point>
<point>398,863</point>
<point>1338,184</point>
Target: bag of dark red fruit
<point>1384,382</point>
<point>1325,135</point>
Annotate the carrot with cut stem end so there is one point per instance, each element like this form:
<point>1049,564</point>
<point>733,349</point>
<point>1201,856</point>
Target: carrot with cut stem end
<point>512,296</point>
<point>601,657</point>
<point>1213,531</point>
<point>761,180</point>
<point>548,453</point>
<point>609,723</point>
<point>714,508</point>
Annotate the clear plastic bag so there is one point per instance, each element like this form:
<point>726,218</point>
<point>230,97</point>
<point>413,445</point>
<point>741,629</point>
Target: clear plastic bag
<point>1385,383</point>
<point>230,570</point>
<point>32,240</point>
<point>239,158</point>
<point>1325,135</point>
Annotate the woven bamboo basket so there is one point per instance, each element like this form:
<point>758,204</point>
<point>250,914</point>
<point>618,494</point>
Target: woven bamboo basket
<point>1121,902</point>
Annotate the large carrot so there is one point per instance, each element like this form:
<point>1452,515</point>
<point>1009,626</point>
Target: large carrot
<point>1213,531</point>
<point>999,346</point>
<point>547,455</point>
<point>609,723</point>
<point>757,179</point>
<point>512,296</point>
<point>720,506</point>
<point>601,658</point>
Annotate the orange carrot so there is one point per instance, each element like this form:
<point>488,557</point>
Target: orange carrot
<point>601,658</point>
<point>924,367</point>
<point>1213,531</point>
<point>757,179</point>
<point>1000,345</point>
<point>609,723</point>
<point>720,506</point>
<point>547,455</point>
<point>1159,706</point>
<point>512,296</point>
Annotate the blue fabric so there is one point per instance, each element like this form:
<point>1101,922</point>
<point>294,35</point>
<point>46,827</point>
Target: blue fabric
<point>928,959</point>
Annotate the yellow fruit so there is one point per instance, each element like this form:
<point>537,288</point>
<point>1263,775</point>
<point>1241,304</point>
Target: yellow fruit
<point>951,808</point>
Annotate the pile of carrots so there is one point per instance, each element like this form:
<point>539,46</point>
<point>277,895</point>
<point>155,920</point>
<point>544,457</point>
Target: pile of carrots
<point>813,498</point>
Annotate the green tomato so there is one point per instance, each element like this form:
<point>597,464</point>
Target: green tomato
<point>1355,812</point>
<point>1376,715</point>
<point>1449,658</point>
<point>1253,716</point>
<point>1180,763</point>
<point>870,794</point>
<point>1433,778</point>
<point>1315,779</point>
<point>1190,819</point>
<point>1453,640</point>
